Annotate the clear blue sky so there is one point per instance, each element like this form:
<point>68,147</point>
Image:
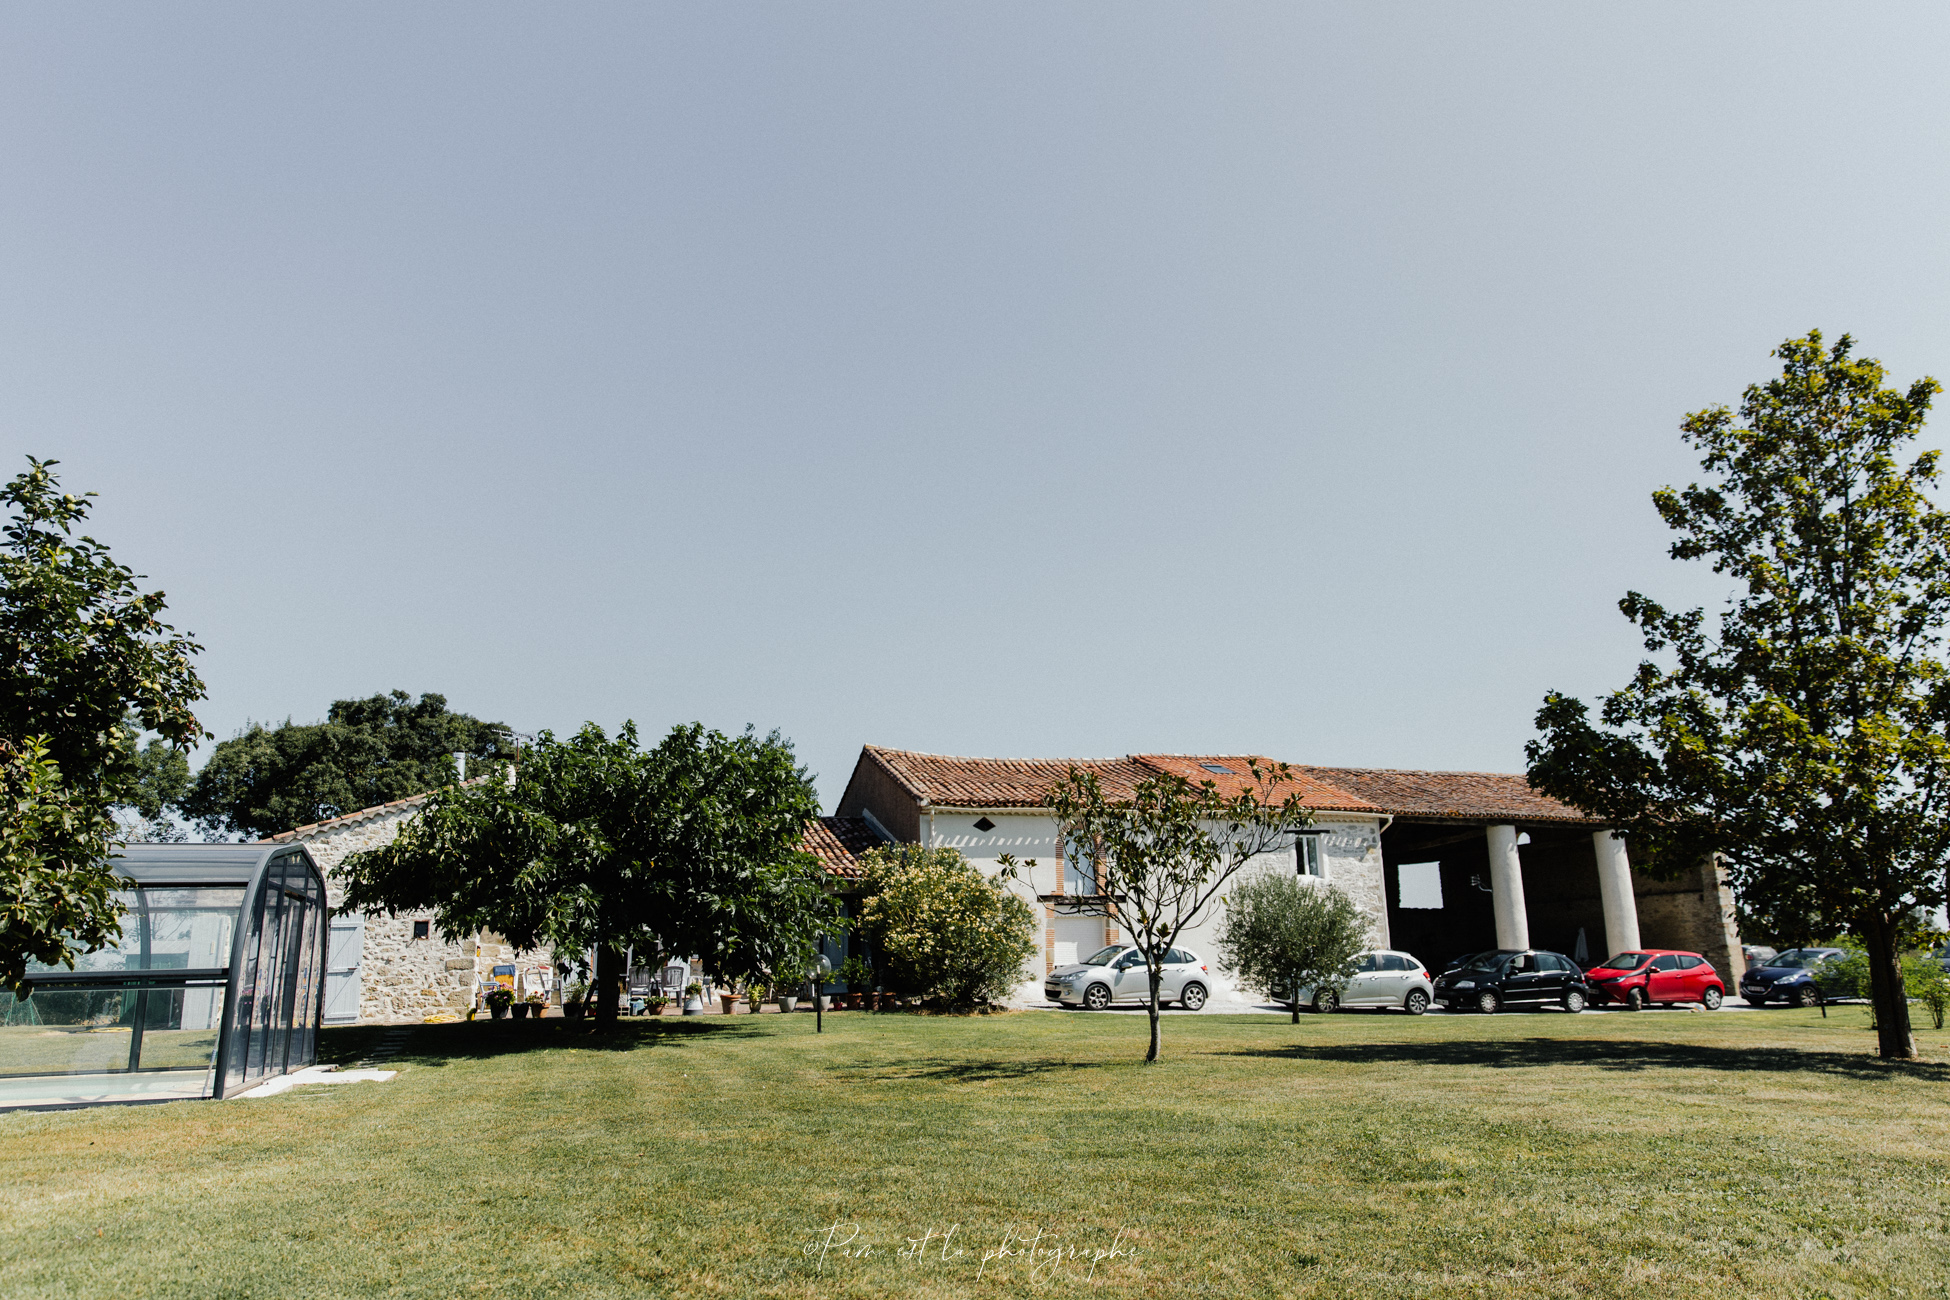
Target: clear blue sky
<point>1010,379</point>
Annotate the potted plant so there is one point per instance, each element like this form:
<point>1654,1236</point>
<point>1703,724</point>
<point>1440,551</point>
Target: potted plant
<point>787,1001</point>
<point>694,999</point>
<point>499,1000</point>
<point>727,999</point>
<point>656,1003</point>
<point>755,994</point>
<point>857,974</point>
<point>572,1001</point>
<point>537,1004</point>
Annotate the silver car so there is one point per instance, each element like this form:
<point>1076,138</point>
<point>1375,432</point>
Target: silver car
<point>1118,974</point>
<point>1384,979</point>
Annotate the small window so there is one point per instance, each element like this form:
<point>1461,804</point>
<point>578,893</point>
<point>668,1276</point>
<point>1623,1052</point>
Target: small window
<point>1688,962</point>
<point>1130,959</point>
<point>1419,885</point>
<point>1366,964</point>
<point>1220,768</point>
<point>422,929</point>
<point>1667,962</point>
<point>1179,957</point>
<point>1306,855</point>
<point>985,825</point>
<point>1077,878</point>
<point>1389,961</point>
<point>1552,962</point>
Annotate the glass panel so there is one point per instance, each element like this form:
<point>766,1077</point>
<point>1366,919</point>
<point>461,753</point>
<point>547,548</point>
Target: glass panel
<point>70,1045</point>
<point>185,927</point>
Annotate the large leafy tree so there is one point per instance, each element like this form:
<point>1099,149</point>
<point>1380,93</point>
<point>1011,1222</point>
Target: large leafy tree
<point>1804,733</point>
<point>692,848</point>
<point>86,664</point>
<point>266,780</point>
<point>1164,855</point>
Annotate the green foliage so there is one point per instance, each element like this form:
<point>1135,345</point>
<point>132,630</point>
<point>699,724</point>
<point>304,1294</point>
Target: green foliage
<point>856,972</point>
<point>1283,934</point>
<point>86,664</point>
<point>56,891</point>
<point>1806,738</point>
<point>266,780</point>
<point>692,848</point>
<point>1166,853</point>
<point>943,930</point>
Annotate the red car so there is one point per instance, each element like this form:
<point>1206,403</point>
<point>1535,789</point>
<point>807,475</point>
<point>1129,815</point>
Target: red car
<point>1650,976</point>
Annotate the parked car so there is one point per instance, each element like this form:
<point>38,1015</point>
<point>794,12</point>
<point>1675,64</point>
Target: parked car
<point>1384,980</point>
<point>1793,976</point>
<point>1118,974</point>
<point>1491,981</point>
<point>1755,955</point>
<point>1656,977</point>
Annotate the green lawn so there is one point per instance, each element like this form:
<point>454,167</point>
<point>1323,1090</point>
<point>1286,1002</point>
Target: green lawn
<point>1660,1154</point>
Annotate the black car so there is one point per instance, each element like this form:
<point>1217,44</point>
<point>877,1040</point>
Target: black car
<point>1506,977</point>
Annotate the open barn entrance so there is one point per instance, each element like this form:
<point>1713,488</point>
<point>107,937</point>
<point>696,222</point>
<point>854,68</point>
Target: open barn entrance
<point>1440,902</point>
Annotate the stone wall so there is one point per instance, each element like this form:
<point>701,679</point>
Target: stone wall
<point>1694,914</point>
<point>402,978</point>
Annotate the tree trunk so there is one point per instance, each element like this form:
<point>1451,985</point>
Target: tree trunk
<point>1294,1007</point>
<point>1894,1041</point>
<point>609,972</point>
<point>1157,1040</point>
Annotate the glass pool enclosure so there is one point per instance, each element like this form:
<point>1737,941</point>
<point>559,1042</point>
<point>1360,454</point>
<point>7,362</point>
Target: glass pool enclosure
<point>217,984</point>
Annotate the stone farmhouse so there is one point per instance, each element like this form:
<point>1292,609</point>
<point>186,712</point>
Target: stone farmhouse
<point>1440,863</point>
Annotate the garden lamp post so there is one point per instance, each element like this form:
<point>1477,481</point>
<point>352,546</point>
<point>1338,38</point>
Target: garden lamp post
<point>818,977</point>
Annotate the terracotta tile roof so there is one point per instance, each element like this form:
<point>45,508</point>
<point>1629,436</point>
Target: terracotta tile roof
<point>942,781</point>
<point>1459,796</point>
<point>1314,791</point>
<point>839,841</point>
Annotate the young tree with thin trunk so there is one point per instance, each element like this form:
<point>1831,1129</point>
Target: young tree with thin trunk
<point>1804,734</point>
<point>1166,854</point>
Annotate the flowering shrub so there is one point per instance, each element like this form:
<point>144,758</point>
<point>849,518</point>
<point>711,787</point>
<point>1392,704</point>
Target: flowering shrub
<point>943,930</point>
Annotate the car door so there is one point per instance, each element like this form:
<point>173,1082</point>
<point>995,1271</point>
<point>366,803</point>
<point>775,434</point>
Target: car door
<point>1695,974</point>
<point>1361,986</point>
<point>1663,980</point>
<point>1391,980</point>
<point>1520,978</point>
<point>1133,978</point>
<point>1178,965</point>
<point>1553,973</point>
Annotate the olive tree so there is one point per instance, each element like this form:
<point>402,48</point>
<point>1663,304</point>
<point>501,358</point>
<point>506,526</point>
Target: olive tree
<point>1283,934</point>
<point>1803,732</point>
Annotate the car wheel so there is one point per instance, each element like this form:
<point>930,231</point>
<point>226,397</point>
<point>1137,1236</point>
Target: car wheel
<point>1192,997</point>
<point>1712,998</point>
<point>1326,1000</point>
<point>1488,1002</point>
<point>1097,997</point>
<point>1635,1000</point>
<point>1805,996</point>
<point>1574,1002</point>
<point>1416,1002</point>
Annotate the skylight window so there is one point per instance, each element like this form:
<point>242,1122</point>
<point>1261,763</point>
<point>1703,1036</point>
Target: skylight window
<point>1220,768</point>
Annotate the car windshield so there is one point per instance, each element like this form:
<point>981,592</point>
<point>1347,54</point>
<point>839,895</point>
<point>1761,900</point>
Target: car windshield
<point>1798,958</point>
<point>1625,961</point>
<point>1104,958</point>
<point>1485,961</point>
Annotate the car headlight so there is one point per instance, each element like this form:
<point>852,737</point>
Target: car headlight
<point>1465,984</point>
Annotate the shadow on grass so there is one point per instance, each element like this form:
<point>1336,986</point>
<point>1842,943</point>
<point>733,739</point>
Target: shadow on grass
<point>965,1071</point>
<point>435,1045</point>
<point>1523,1053</point>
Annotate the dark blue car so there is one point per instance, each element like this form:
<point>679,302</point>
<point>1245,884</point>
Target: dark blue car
<point>1793,977</point>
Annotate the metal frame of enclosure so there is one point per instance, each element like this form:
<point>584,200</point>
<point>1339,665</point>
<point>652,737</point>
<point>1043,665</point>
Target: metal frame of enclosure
<point>216,985</point>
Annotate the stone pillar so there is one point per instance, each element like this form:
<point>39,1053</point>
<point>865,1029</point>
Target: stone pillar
<point>1506,889</point>
<point>1615,892</point>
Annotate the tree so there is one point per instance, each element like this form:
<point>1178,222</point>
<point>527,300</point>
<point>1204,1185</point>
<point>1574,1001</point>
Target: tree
<point>1283,933</point>
<point>693,849</point>
<point>56,893</point>
<point>940,929</point>
<point>82,648</point>
<point>266,780</point>
<point>1168,851</point>
<point>1805,738</point>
